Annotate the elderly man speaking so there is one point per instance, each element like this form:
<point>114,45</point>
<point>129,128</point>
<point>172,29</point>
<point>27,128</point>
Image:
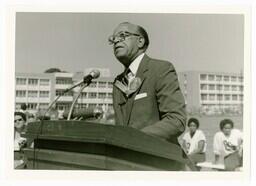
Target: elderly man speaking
<point>146,96</point>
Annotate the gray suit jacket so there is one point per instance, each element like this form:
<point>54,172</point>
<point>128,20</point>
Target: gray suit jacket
<point>161,112</point>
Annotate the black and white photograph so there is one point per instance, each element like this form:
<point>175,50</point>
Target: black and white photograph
<point>129,91</point>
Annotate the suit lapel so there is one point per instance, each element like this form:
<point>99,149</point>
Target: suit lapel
<point>142,74</point>
<point>119,100</point>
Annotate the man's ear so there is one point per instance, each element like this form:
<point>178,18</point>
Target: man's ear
<point>141,42</point>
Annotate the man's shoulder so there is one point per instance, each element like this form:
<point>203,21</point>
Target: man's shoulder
<point>159,63</point>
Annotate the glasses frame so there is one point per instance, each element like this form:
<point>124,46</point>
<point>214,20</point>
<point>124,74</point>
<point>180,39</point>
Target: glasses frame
<point>119,38</point>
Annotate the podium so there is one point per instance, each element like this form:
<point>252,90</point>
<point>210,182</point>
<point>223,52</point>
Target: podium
<point>62,145</point>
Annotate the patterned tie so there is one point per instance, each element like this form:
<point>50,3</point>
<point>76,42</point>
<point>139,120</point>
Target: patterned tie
<point>128,76</point>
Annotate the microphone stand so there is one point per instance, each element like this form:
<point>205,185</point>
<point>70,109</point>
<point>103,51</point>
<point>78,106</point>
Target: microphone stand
<point>40,129</point>
<point>76,98</point>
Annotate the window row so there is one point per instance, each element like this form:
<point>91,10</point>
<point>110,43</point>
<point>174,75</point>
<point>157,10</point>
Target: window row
<point>32,93</point>
<point>100,95</point>
<point>221,97</point>
<point>101,84</point>
<point>93,105</point>
<point>64,81</point>
<point>212,77</point>
<point>32,81</point>
<point>33,106</point>
<point>221,87</point>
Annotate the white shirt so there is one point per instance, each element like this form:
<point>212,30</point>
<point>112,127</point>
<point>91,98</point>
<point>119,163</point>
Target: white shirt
<point>223,145</point>
<point>192,142</point>
<point>134,66</point>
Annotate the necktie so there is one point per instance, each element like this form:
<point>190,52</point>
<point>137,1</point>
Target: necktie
<point>128,76</point>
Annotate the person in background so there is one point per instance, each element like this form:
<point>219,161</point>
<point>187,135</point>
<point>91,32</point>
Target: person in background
<point>19,142</point>
<point>23,109</point>
<point>194,142</point>
<point>228,145</point>
<point>31,118</point>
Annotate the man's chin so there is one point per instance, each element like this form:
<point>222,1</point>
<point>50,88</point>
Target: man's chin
<point>123,60</point>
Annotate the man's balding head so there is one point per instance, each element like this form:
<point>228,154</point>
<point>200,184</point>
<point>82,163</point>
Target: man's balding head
<point>129,41</point>
<point>141,31</point>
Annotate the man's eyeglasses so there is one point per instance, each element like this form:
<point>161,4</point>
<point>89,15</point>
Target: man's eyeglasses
<point>20,119</point>
<point>120,37</point>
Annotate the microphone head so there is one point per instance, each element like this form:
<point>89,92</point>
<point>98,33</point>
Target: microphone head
<point>95,74</point>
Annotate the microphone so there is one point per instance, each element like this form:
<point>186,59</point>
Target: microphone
<point>94,74</point>
<point>84,113</point>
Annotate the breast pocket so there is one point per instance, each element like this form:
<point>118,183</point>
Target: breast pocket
<point>142,107</point>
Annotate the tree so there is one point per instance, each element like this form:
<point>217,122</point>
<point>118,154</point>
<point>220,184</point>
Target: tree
<point>52,70</point>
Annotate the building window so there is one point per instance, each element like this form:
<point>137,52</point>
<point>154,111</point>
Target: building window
<point>234,97</point>
<point>226,87</point>
<point>227,97</point>
<point>93,84</point>
<point>44,82</point>
<point>211,77</point>
<point>241,79</point>
<point>110,85</point>
<point>226,78</point>
<point>20,93</point>
<point>63,106</point>
<point>21,81</point>
<point>212,97</point>
<point>203,87</point>
<point>61,93</point>
<point>234,88</point>
<point>102,95</point>
<point>203,77</point>
<point>64,81</point>
<point>211,87</point>
<point>92,105</point>
<point>44,94</point>
<point>203,97</point>
<point>218,78</point>
<point>110,95</point>
<point>102,84</point>
<point>82,105</point>
<point>241,97</point>
<point>241,88</point>
<point>219,97</point>
<point>84,95</point>
<point>32,106</point>
<point>32,94</point>
<point>92,95</point>
<point>33,82</point>
<point>219,87</point>
<point>233,78</point>
<point>43,105</point>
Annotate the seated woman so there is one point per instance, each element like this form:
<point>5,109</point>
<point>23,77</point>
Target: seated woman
<point>194,142</point>
<point>227,145</point>
<point>19,142</point>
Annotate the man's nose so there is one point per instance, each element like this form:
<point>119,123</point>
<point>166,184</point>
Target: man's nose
<point>116,40</point>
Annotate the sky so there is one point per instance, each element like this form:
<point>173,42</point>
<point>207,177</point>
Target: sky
<point>75,41</point>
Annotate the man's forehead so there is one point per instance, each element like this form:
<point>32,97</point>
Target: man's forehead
<point>128,27</point>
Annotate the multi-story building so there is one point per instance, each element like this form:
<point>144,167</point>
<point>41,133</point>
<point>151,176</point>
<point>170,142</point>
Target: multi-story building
<point>203,91</point>
<point>39,90</point>
<point>35,90</point>
<point>212,92</point>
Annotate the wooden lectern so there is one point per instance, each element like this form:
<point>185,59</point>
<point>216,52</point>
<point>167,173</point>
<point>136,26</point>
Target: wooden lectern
<point>91,146</point>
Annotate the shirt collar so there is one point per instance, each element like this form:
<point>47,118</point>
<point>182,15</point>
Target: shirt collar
<point>135,64</point>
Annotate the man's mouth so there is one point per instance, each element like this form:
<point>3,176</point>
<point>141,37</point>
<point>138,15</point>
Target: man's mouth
<point>118,47</point>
